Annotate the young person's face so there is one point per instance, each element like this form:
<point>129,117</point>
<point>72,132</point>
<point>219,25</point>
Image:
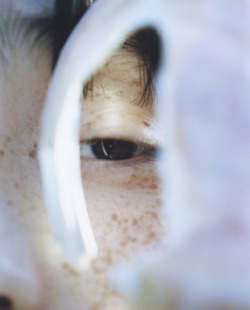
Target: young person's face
<point>122,195</point>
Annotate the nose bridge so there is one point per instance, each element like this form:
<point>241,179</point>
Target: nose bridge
<point>19,280</point>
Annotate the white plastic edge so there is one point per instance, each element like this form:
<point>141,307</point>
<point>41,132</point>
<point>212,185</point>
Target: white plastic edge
<point>96,36</point>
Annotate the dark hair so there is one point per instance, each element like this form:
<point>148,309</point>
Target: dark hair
<point>145,42</point>
<point>56,29</point>
<point>66,16</point>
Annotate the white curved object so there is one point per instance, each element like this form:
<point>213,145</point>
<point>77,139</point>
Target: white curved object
<point>203,106</point>
<point>94,39</point>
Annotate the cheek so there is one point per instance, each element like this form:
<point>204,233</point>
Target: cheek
<point>124,210</point>
<point>21,103</point>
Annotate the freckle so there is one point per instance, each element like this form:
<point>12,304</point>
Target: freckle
<point>135,83</point>
<point>154,215</point>
<point>123,244</point>
<point>153,186</point>
<point>10,203</point>
<point>69,269</point>
<point>120,93</point>
<point>151,236</point>
<point>133,239</point>
<point>32,153</point>
<point>65,266</point>
<point>114,217</point>
<point>125,230</point>
<point>135,222</point>
<point>108,260</point>
<point>16,185</point>
<point>2,153</point>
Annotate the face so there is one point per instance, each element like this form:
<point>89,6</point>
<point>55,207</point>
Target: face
<point>118,172</point>
<point>118,168</point>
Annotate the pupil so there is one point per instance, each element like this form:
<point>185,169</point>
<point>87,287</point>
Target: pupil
<point>113,149</point>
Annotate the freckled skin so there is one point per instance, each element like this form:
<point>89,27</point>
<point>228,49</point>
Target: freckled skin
<point>122,198</point>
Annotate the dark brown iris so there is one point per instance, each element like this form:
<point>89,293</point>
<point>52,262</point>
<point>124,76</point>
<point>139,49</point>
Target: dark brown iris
<point>113,149</point>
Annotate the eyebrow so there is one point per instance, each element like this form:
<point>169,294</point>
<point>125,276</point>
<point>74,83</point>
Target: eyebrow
<point>48,29</point>
<point>18,32</point>
<point>51,29</point>
<point>58,27</point>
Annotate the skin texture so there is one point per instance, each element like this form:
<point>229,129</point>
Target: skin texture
<point>122,197</point>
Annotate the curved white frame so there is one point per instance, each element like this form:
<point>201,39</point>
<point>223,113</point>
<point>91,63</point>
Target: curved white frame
<point>96,36</point>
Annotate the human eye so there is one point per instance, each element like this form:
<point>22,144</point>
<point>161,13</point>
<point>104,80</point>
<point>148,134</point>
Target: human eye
<point>115,149</point>
<point>117,120</point>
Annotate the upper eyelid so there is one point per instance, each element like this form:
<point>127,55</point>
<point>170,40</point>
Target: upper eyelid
<point>136,126</point>
<point>128,139</point>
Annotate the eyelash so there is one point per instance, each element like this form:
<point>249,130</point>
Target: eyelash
<point>111,149</point>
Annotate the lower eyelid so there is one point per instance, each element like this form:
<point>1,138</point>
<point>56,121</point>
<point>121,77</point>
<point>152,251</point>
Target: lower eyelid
<point>140,161</point>
<point>118,173</point>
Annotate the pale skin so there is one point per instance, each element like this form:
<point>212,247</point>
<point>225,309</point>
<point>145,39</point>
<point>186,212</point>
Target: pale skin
<point>122,196</point>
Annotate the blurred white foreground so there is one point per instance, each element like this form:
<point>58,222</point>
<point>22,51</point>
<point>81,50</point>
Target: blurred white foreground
<point>204,262</point>
<point>203,101</point>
